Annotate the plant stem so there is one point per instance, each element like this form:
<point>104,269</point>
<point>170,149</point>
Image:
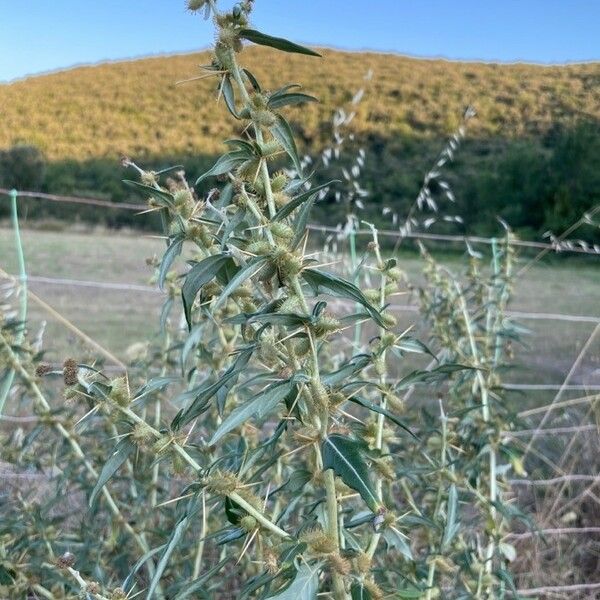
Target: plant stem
<point>41,401</point>
<point>485,409</point>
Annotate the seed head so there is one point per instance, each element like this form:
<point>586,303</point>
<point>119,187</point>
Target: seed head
<point>70,370</point>
<point>221,482</point>
<point>65,561</point>
<point>42,369</point>
<point>373,589</point>
<point>278,182</point>
<point>142,434</point>
<point>339,564</point>
<point>302,346</point>
<point>248,523</point>
<point>282,230</point>
<point>363,562</point>
<point>318,541</point>
<point>119,392</point>
<point>148,177</point>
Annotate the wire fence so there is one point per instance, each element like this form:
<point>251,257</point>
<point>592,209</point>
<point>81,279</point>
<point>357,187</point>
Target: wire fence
<point>557,246</point>
<point>546,428</point>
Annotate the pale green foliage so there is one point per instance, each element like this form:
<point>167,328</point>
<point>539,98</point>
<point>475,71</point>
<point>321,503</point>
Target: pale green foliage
<point>264,456</point>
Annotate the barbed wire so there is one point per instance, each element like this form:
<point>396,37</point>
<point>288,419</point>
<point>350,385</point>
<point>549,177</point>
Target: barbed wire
<point>557,245</point>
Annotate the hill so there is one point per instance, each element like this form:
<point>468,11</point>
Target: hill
<point>136,107</point>
<point>83,119</point>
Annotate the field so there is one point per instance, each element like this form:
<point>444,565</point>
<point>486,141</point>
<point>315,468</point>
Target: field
<point>116,318</point>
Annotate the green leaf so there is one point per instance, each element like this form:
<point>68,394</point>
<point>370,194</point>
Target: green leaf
<point>120,454</point>
<point>354,365</point>
<point>226,163</point>
<point>7,576</point>
<point>280,100</point>
<point>203,394</point>
<point>304,586</point>
<point>322,282</point>
<point>233,511</point>
<point>294,203</point>
<point>430,376</point>
<point>229,96</point>
<point>173,251</point>
<point>260,406</point>
<point>164,198</point>
<point>452,524</point>
<point>342,454</point>
<point>262,39</point>
<point>382,411</point>
<point>359,592</point>
<point>410,344</point>
<point>176,535</point>
<point>251,268</point>
<point>195,587</point>
<point>153,385</point>
<point>138,565</point>
<point>395,539</point>
<point>253,81</point>
<point>283,134</point>
<point>200,274</point>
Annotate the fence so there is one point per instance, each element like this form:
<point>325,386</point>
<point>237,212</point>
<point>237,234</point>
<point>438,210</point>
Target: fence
<point>563,476</point>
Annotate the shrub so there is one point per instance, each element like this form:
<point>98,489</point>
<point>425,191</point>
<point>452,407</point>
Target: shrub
<point>267,457</point>
<point>22,167</point>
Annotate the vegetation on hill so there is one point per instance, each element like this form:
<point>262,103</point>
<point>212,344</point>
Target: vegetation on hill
<point>531,155</point>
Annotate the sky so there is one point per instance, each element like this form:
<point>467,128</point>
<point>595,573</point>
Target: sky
<point>42,35</point>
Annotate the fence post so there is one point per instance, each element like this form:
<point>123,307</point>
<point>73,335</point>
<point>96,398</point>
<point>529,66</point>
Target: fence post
<point>6,383</point>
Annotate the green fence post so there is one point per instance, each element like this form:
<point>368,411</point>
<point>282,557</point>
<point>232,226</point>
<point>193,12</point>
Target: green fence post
<point>7,381</point>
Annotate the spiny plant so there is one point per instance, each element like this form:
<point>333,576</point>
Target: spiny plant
<point>263,459</point>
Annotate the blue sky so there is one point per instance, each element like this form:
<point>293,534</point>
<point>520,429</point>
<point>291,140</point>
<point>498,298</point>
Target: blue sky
<point>42,35</point>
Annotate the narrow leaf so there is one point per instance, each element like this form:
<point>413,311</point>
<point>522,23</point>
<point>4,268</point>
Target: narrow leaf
<point>304,586</point>
<point>174,540</point>
<point>120,454</point>
<point>382,411</point>
<point>294,203</point>
<point>200,274</point>
<point>226,163</point>
<point>289,99</point>
<point>451,528</point>
<point>260,406</point>
<point>173,251</point>
<point>249,270</point>
<point>301,222</point>
<point>164,198</point>
<point>430,376</point>
<point>322,282</point>
<point>262,39</point>
<point>396,540</point>
<point>342,454</point>
<point>283,134</point>
<point>229,96</point>
<point>253,81</point>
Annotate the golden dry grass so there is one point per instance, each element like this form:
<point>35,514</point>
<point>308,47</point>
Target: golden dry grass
<point>135,107</point>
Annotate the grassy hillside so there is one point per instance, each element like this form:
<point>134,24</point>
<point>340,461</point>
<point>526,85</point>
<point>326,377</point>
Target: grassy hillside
<point>137,108</point>
<point>532,155</point>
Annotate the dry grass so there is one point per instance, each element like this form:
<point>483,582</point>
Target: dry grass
<point>135,107</point>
